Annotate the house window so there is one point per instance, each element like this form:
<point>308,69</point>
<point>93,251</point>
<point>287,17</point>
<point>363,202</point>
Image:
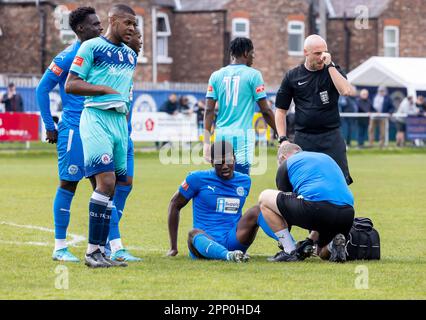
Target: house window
<point>296,35</point>
<point>391,41</point>
<point>163,34</point>
<point>240,28</point>
<point>139,21</point>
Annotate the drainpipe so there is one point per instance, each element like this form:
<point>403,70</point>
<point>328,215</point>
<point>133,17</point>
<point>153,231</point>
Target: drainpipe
<point>154,45</point>
<point>42,35</point>
<point>348,35</point>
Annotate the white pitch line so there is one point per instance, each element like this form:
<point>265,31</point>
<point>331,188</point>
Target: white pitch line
<point>75,238</point>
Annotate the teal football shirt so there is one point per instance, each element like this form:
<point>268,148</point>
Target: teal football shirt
<point>101,62</point>
<point>236,88</point>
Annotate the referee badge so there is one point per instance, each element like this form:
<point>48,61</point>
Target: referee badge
<point>324,97</point>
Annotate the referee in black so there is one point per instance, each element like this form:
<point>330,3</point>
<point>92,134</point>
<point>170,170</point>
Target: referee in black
<point>315,87</point>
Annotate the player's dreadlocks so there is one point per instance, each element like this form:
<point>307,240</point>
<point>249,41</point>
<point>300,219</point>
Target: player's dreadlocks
<point>79,15</point>
<point>239,46</point>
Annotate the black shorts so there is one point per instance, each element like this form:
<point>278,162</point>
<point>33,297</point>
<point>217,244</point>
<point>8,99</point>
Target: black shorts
<point>322,216</point>
<point>330,143</point>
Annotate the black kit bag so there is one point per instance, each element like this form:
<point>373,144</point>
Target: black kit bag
<point>363,241</point>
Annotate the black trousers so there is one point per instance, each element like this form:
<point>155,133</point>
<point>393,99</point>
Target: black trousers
<point>330,143</point>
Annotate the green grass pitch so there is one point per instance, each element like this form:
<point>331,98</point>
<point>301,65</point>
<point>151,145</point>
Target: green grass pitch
<point>389,188</point>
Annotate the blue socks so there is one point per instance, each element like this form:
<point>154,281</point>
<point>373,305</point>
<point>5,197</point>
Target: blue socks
<point>97,214</point>
<point>265,227</point>
<point>209,248</point>
<point>61,212</point>
<point>120,197</point>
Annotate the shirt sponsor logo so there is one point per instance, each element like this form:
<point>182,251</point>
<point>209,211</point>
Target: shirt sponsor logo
<point>78,61</point>
<point>210,88</point>
<point>324,97</point>
<point>55,69</point>
<point>185,185</point>
<point>260,88</point>
<point>228,205</point>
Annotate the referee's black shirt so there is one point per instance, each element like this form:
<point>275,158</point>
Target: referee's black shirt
<point>315,98</point>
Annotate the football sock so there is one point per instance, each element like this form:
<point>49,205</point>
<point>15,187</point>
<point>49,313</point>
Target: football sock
<point>60,244</point>
<point>97,210</point>
<point>116,245</point>
<point>105,224</point>
<point>114,231</point>
<point>120,197</point>
<point>61,215</point>
<point>209,248</point>
<point>287,241</point>
<point>265,227</point>
<point>91,248</point>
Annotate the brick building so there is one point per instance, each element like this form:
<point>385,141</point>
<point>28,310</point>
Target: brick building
<point>359,29</point>
<point>191,37</point>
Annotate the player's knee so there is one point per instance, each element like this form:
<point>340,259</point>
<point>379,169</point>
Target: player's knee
<point>253,213</point>
<point>106,184</point>
<point>265,198</point>
<point>70,186</point>
<point>192,233</point>
<point>127,183</point>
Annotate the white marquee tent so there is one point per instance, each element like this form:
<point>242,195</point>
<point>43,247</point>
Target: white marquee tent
<point>407,73</point>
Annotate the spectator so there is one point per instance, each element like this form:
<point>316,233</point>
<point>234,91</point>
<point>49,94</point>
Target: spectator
<point>421,104</point>
<point>12,100</point>
<point>382,103</point>
<point>407,107</point>
<point>364,105</point>
<point>184,106</point>
<point>171,105</point>
<point>347,105</point>
<point>200,108</point>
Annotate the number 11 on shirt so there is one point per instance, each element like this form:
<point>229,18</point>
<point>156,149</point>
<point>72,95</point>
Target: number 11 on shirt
<point>235,86</point>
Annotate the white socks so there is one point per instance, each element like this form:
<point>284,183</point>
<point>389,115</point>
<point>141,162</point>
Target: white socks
<point>285,238</point>
<point>91,248</point>
<point>60,244</point>
<point>116,245</point>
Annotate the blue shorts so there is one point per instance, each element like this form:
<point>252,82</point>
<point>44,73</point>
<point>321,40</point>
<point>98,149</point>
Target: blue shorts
<point>130,159</point>
<point>229,241</point>
<point>70,153</point>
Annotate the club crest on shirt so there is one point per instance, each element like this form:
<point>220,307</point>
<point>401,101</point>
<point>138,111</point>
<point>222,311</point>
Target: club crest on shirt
<point>72,169</point>
<point>106,159</point>
<point>324,97</point>
<point>131,59</point>
<point>240,191</point>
